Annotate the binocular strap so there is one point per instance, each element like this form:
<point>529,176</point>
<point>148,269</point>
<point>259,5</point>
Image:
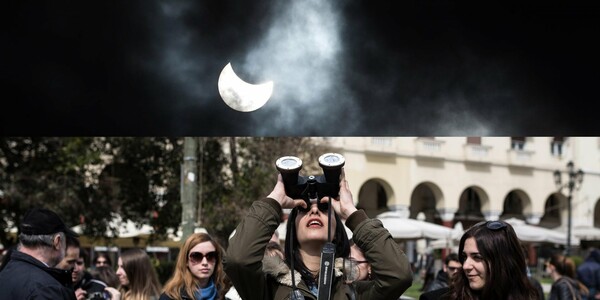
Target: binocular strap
<point>326,272</point>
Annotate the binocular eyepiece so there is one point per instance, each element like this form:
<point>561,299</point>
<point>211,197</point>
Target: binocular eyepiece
<point>311,187</point>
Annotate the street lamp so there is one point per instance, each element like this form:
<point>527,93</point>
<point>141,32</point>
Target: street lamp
<point>575,180</point>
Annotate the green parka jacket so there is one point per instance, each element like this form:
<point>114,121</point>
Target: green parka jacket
<point>243,261</point>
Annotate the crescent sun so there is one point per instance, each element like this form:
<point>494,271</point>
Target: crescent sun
<point>240,95</point>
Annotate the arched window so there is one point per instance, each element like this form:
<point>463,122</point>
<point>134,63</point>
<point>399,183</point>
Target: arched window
<point>513,207</point>
<point>469,208</point>
<point>372,198</point>
<point>552,210</point>
<point>423,200</point>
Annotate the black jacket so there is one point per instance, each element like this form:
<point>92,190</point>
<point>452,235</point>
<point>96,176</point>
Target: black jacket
<point>564,288</point>
<point>434,294</point>
<point>438,293</point>
<point>538,286</point>
<point>28,278</point>
<point>440,281</point>
<point>184,296</point>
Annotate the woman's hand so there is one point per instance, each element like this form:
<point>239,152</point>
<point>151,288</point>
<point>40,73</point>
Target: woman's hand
<point>344,204</point>
<point>278,194</point>
<point>80,294</point>
<point>114,293</point>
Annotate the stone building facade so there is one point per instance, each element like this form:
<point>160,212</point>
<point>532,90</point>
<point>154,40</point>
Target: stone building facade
<point>469,179</point>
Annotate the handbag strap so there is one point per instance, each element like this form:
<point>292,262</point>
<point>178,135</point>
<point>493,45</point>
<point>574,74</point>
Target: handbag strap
<point>575,297</point>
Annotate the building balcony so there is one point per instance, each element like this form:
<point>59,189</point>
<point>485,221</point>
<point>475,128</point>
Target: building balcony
<point>477,153</point>
<point>380,145</point>
<point>520,158</point>
<point>429,148</point>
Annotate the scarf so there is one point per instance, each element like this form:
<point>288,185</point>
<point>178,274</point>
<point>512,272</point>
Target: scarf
<point>207,293</point>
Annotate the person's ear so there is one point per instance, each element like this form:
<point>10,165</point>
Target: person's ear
<point>57,241</point>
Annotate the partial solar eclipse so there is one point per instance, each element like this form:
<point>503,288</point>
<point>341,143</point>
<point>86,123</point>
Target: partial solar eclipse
<point>240,95</point>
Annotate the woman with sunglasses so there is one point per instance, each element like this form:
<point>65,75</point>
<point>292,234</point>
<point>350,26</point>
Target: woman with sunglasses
<point>357,270</point>
<point>362,265</point>
<point>307,232</point>
<point>137,276</point>
<point>565,286</point>
<point>199,271</point>
<point>493,265</point>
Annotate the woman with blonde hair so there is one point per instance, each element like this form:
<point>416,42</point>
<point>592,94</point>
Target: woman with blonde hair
<point>137,276</point>
<point>199,271</point>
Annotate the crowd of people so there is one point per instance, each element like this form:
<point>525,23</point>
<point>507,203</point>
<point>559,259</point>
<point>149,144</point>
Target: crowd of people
<point>491,263</point>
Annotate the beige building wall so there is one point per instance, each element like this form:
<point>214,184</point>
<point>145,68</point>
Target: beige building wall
<point>373,159</point>
<point>586,210</point>
<point>449,165</point>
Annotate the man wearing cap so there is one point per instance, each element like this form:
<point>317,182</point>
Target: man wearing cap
<point>30,273</point>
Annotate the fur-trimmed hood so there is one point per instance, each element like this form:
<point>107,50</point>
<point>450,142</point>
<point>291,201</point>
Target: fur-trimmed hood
<point>278,269</point>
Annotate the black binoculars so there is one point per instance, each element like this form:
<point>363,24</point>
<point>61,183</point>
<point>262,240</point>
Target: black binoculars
<point>311,187</point>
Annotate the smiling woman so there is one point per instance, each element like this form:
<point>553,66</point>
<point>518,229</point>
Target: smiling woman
<point>493,265</point>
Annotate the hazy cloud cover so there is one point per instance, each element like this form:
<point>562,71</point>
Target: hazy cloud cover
<point>339,67</point>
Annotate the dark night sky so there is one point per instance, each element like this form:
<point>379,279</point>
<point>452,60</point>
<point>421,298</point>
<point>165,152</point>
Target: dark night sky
<point>340,67</point>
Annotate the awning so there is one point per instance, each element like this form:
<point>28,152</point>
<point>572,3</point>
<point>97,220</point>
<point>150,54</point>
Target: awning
<point>536,234</point>
<point>587,233</point>
<point>411,229</point>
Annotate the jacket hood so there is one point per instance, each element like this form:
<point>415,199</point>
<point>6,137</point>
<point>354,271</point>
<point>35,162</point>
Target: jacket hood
<point>278,269</point>
<point>595,255</point>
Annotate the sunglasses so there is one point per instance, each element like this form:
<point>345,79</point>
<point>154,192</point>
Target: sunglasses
<point>357,261</point>
<point>322,206</point>
<point>351,270</point>
<point>198,257</point>
<point>495,225</point>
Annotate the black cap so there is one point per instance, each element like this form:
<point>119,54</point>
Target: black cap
<point>40,221</point>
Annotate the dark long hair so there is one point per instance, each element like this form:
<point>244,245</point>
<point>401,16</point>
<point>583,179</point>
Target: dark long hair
<point>340,239</point>
<point>504,263</point>
<point>143,280</point>
<point>106,257</point>
<point>565,266</point>
<point>107,275</point>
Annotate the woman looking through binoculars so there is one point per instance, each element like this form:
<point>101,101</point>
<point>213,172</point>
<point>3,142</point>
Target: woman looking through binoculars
<point>308,227</point>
